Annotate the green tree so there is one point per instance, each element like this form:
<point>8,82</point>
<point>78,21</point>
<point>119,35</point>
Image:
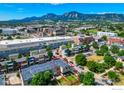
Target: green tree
<point>100,68</point>
<point>91,65</point>
<point>104,38</point>
<point>50,54</point>
<point>9,38</point>
<point>81,76</point>
<point>88,78</point>
<point>121,53</point>
<point>95,45</point>
<point>42,78</point>
<point>113,75</point>
<point>48,48</point>
<point>68,45</point>
<point>19,56</point>
<point>105,65</point>
<point>114,49</point>
<point>119,65</point>
<point>99,53</point>
<point>38,79</point>
<point>47,76</point>
<point>80,59</point>
<point>95,67</point>
<point>109,60</point>
<point>104,48</point>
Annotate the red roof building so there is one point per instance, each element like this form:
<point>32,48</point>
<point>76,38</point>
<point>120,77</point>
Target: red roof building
<point>116,41</point>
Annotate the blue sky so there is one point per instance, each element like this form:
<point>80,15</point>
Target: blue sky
<point>19,11</point>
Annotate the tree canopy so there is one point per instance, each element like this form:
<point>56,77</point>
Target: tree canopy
<point>109,60</point>
<point>88,78</point>
<point>95,45</point>
<point>112,75</point>
<point>95,67</point>
<point>80,59</point>
<point>114,49</point>
<point>104,38</point>
<point>119,65</point>
<point>121,53</point>
<point>42,78</point>
<point>50,54</point>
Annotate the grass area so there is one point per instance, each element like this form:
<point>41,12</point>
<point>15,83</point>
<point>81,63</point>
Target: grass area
<point>93,31</point>
<point>71,78</point>
<point>68,80</point>
<point>121,82</point>
<point>95,58</point>
<point>64,81</point>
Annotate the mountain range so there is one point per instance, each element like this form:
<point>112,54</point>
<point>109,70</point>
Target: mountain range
<point>73,15</point>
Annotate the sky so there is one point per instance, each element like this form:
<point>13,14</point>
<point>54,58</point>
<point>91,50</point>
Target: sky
<point>21,10</point>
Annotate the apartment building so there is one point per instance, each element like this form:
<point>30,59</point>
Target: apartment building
<point>108,34</point>
<point>23,46</point>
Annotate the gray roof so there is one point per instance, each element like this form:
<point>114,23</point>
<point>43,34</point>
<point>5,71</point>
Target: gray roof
<point>2,79</point>
<point>27,73</point>
<point>122,57</point>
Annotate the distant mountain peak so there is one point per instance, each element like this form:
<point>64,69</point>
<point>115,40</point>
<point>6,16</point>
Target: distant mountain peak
<point>74,15</point>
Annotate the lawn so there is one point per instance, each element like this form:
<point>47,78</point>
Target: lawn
<point>71,78</point>
<point>95,58</point>
<point>121,82</point>
<point>92,31</point>
<point>68,80</point>
<point>64,81</point>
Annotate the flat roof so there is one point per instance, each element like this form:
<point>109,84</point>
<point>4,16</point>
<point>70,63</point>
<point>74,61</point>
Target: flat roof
<point>27,73</point>
<point>2,79</point>
<point>31,40</point>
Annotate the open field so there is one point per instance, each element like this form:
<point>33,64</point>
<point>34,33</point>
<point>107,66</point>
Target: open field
<point>95,58</point>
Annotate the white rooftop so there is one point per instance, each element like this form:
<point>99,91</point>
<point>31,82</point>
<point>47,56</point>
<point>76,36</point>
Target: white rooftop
<point>31,40</point>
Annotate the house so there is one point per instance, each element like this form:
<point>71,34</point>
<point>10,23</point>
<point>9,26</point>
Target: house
<point>120,59</point>
<point>22,62</point>
<point>116,41</point>
<point>55,66</point>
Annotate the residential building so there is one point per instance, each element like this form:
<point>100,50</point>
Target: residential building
<point>83,39</point>
<point>108,34</point>
<point>56,66</point>
<point>120,59</point>
<point>116,41</point>
<point>2,79</point>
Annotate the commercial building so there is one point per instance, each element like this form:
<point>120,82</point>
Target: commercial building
<point>9,31</point>
<point>23,46</point>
